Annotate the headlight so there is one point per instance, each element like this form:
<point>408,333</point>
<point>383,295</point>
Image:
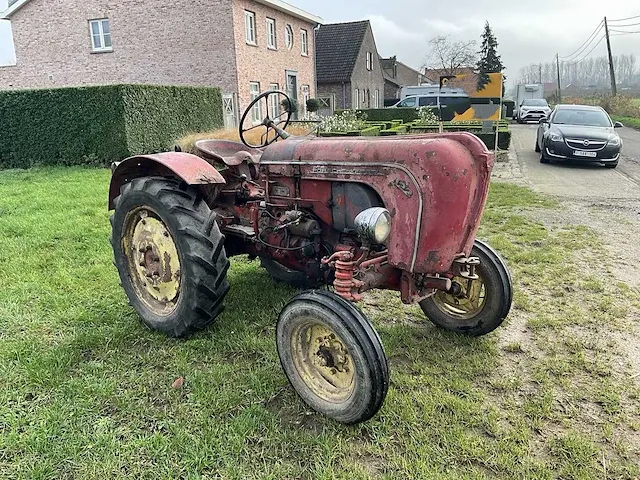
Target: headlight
<point>374,224</point>
<point>614,141</point>
<point>556,137</point>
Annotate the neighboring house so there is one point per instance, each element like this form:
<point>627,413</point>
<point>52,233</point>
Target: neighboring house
<point>348,66</point>
<point>242,46</point>
<point>398,75</point>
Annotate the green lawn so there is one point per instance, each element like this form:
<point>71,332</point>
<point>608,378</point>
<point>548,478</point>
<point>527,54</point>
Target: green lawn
<point>86,389</point>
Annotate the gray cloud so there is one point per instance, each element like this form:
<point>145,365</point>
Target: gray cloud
<point>528,32</point>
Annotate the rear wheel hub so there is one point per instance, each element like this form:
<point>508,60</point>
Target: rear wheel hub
<point>153,260</point>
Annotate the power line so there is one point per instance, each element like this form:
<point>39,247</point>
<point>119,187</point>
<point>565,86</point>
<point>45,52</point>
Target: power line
<point>625,19</point>
<point>589,53</point>
<point>586,44</point>
<point>622,32</point>
<point>627,25</point>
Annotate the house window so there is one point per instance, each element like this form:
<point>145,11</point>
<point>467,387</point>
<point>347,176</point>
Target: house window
<point>305,96</point>
<point>274,107</point>
<point>271,33</point>
<point>250,27</point>
<point>304,43</point>
<point>100,35</point>
<point>288,36</point>
<point>369,61</point>
<point>376,99</point>
<point>256,114</point>
<point>356,99</point>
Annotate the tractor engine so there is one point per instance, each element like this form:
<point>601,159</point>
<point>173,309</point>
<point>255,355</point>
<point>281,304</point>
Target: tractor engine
<point>292,237</point>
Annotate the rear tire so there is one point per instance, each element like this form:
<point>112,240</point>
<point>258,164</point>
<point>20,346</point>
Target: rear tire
<point>332,356</point>
<point>169,254</point>
<point>447,312</point>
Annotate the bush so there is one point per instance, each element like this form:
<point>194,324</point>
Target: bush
<point>99,125</point>
<point>427,115</point>
<point>407,115</point>
<point>345,121</point>
<point>631,122</point>
<point>313,105</point>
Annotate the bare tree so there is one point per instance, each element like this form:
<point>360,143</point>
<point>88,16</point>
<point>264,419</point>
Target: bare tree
<point>450,57</point>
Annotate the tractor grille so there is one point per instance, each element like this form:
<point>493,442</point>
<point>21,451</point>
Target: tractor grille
<point>579,144</point>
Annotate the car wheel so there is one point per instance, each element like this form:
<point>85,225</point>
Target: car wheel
<point>543,157</point>
<point>537,146</point>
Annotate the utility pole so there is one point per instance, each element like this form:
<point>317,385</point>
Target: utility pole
<point>614,89</point>
<point>540,72</point>
<point>558,70</point>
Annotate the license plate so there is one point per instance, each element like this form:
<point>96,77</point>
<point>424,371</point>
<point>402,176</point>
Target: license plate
<point>580,153</point>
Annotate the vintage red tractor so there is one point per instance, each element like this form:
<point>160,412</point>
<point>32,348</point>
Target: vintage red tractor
<point>349,214</point>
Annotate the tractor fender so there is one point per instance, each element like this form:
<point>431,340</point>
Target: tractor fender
<point>192,169</point>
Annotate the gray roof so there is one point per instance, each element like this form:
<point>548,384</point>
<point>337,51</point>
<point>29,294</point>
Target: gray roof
<point>337,49</point>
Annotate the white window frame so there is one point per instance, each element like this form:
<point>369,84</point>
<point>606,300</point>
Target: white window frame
<point>271,34</point>
<point>356,104</point>
<point>250,27</point>
<point>274,106</point>
<point>100,23</point>
<point>376,98</point>
<point>369,61</point>
<point>304,42</point>
<point>288,36</point>
<point>256,111</point>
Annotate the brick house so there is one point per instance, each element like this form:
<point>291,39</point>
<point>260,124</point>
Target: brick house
<point>242,46</point>
<point>397,75</point>
<point>348,65</point>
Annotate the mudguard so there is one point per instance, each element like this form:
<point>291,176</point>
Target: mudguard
<point>192,169</point>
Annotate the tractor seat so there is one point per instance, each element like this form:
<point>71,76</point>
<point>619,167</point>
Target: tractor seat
<point>228,152</point>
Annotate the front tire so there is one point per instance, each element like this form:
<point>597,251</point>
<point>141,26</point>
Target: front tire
<point>537,146</point>
<point>169,254</point>
<point>332,356</point>
<point>482,305</point>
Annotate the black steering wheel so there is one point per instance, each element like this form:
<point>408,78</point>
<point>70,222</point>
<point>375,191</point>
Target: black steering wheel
<point>271,128</point>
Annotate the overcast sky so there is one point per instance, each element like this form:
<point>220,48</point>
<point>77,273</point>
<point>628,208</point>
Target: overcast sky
<point>527,31</point>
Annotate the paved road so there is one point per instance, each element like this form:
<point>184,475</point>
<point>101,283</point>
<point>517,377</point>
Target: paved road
<point>580,180</point>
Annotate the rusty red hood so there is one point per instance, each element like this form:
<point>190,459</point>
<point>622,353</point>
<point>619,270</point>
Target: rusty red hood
<point>435,187</point>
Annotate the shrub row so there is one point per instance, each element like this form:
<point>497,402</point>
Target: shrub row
<point>99,125</point>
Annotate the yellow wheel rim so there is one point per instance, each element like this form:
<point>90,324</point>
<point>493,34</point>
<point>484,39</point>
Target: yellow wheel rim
<point>152,259</point>
<point>468,303</point>
<point>323,361</point>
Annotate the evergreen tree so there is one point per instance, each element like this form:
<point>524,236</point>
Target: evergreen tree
<point>490,61</point>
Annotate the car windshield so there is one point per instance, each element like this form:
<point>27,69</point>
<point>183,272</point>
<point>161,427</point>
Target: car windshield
<point>588,118</point>
<point>534,102</point>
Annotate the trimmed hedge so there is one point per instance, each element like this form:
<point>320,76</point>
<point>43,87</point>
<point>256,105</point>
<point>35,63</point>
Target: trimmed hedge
<point>99,125</point>
<point>489,139</point>
<point>365,132</point>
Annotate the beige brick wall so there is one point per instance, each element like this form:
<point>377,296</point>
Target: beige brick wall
<point>260,64</point>
<point>176,42</point>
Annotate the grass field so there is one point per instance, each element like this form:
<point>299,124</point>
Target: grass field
<point>87,391</point>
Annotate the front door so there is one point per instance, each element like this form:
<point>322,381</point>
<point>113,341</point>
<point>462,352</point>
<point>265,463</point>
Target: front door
<point>292,89</point>
<point>229,111</point>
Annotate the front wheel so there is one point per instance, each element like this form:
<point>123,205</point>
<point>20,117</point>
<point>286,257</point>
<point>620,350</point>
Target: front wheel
<point>481,305</point>
<point>332,356</point>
